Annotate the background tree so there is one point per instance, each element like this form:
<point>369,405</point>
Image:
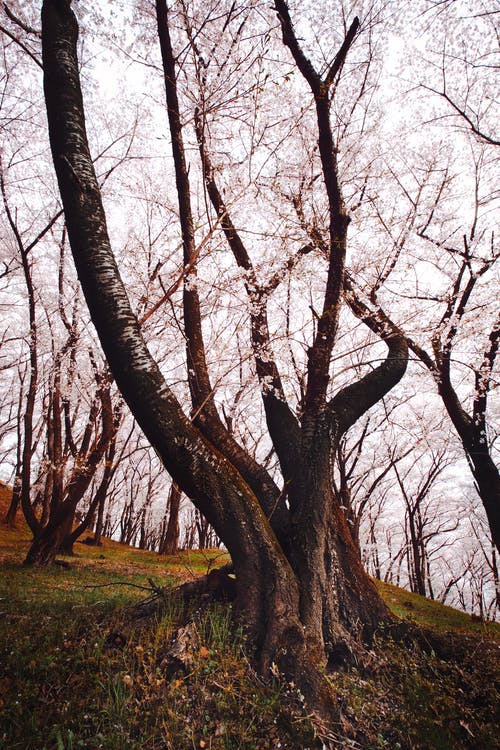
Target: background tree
<point>444,260</point>
<point>168,543</point>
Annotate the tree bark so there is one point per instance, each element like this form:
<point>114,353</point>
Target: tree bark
<point>45,546</point>
<point>10,516</point>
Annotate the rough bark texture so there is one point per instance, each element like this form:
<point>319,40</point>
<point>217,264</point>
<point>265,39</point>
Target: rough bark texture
<point>301,608</point>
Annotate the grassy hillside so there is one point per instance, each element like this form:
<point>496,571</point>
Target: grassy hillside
<point>77,672</point>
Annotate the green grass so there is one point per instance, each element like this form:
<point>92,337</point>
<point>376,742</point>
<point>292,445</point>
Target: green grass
<point>431,614</point>
<point>67,682</point>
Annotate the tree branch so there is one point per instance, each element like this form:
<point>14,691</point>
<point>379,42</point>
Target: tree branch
<point>354,400</point>
<point>281,421</point>
<point>319,353</point>
<point>21,45</point>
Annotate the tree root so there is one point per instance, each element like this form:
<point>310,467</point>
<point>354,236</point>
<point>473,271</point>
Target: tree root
<point>216,586</point>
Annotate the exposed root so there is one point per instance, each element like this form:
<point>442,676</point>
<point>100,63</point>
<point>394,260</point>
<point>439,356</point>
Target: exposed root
<point>215,586</point>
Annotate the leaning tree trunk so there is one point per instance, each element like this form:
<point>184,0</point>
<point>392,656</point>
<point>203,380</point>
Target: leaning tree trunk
<point>472,433</point>
<point>471,426</point>
<point>487,479</point>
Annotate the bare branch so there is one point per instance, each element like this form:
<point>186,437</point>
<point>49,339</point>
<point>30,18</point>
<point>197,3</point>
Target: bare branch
<point>24,26</point>
<point>21,45</point>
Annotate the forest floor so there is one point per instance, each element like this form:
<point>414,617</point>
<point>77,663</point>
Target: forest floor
<point>76,671</point>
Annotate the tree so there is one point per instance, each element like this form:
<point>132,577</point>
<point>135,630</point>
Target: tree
<point>355,485</point>
<point>64,400</point>
<point>301,588</point>
<point>462,319</point>
<point>66,482</point>
<point>464,334</point>
<point>463,73</point>
<point>460,70</point>
<point>168,543</point>
<point>67,466</point>
<point>420,526</point>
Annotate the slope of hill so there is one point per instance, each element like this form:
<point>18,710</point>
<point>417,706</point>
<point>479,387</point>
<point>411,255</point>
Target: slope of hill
<point>76,671</point>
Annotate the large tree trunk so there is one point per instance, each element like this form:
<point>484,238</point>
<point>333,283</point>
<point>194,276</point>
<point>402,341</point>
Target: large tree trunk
<point>268,592</point>
<point>338,601</point>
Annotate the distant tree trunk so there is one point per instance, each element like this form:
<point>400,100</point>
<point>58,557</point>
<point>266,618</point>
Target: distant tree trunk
<point>29,411</point>
<point>108,528</point>
<point>203,529</point>
<point>99,524</point>
<point>10,516</point>
<point>127,526</point>
<point>169,544</point>
<point>97,503</point>
<point>190,533</point>
<point>376,558</point>
<point>49,539</point>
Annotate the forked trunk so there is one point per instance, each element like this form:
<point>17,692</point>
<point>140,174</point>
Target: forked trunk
<point>298,609</point>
